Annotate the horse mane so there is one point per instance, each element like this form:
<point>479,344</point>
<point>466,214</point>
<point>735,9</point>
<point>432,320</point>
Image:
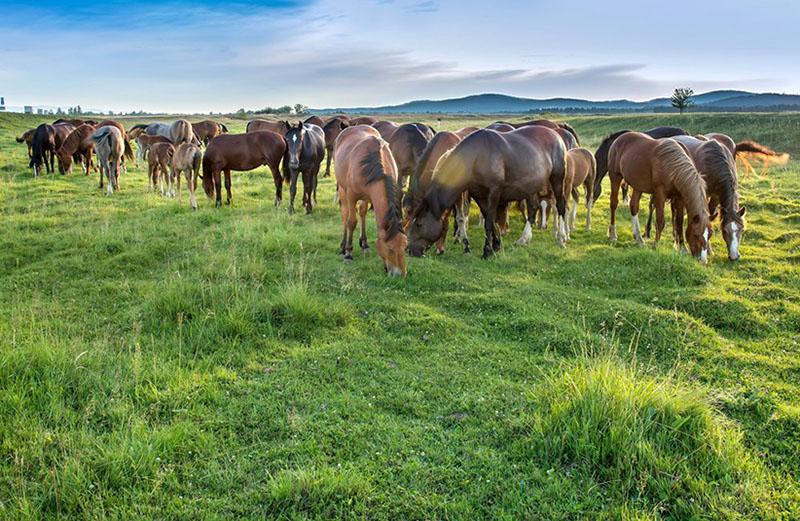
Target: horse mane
<point>141,126</point>
<point>372,169</point>
<point>223,127</point>
<point>718,162</point>
<point>672,158</point>
<point>571,130</point>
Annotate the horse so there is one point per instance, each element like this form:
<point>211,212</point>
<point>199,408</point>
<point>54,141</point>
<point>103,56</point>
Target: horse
<point>386,129</point>
<point>144,143</point>
<point>258,125</point>
<point>751,150</point>
<point>363,120</point>
<point>136,131</point>
<point>242,152</point>
<point>601,156</point>
<point>407,144</point>
<point>128,151</point>
<point>159,160</point>
<point>63,130</point>
<point>305,148</point>
<point>27,138</point>
<point>109,146</point>
<point>495,169</point>
<point>80,143</point>
<point>332,129</point>
<point>366,172</point>
<point>466,131</point>
<point>499,126</point>
<point>187,159</point>
<point>43,147</point>
<point>581,168</point>
<point>206,130</point>
<point>442,143</point>
<point>315,120</point>
<point>717,166</point>
<point>179,131</point>
<point>553,125</point>
<point>660,167</point>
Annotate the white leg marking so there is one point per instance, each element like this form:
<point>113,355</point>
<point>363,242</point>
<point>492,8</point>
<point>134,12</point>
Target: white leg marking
<point>543,217</point>
<point>636,232</point>
<point>526,235</point>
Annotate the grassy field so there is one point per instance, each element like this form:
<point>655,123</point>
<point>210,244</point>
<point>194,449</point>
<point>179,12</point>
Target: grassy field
<point>161,364</point>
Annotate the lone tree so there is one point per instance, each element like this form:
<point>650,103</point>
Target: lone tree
<point>682,99</point>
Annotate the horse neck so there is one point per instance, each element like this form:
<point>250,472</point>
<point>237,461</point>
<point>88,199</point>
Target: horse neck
<point>693,192</point>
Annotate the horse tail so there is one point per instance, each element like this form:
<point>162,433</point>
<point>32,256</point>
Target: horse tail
<point>223,127</point>
<point>756,148</point>
<point>128,149</point>
<point>571,130</point>
<point>140,126</point>
<point>20,139</point>
<point>208,180</point>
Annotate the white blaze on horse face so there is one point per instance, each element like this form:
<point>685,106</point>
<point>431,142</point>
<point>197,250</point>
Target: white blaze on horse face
<point>733,247</point>
<point>294,138</point>
<point>704,251</point>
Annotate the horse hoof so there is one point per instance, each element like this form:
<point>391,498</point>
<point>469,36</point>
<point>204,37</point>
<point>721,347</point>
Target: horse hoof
<point>348,257</point>
<point>219,204</point>
<point>291,211</point>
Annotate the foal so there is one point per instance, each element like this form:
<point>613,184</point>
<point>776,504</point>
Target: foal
<point>581,169</point>
<point>158,161</point>
<point>187,159</point>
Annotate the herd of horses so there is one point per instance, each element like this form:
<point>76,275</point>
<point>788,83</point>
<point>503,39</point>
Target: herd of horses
<point>414,178</point>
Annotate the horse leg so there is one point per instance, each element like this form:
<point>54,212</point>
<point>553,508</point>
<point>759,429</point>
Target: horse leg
<point>676,205</point>
<point>278,180</point>
<point>543,201</point>
<point>440,242</point>
<point>528,214</point>
<point>616,181</point>
<point>350,228</point>
<point>636,197</point>
<point>292,188</point>
<point>659,199</point>
<point>218,187</point>
<point>574,214</point>
<point>488,208</point>
<point>228,185</point>
<point>363,208</point>
<point>589,185</point>
<point>343,211</point>
<point>329,156</point>
<point>557,182</point>
<point>625,199</point>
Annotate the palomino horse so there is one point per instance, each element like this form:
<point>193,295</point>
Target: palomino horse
<point>601,156</point>
<point>79,142</point>
<point>205,130</point>
<point>366,172</point>
<point>305,148</point>
<point>716,164</point>
<point>27,138</point>
<point>495,169</point>
<point>159,160</point>
<point>662,168</point>
<point>386,129</point>
<point>242,152</point>
<point>315,120</point>
<point>187,159</point>
<point>332,129</point>
<point>109,146</point>
<point>258,125</point>
<point>580,171</point>
<point>144,143</point>
<point>407,144</point>
<point>43,148</point>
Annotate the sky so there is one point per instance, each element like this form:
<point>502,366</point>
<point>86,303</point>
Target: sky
<point>201,56</point>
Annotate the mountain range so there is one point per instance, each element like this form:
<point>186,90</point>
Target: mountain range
<point>716,101</point>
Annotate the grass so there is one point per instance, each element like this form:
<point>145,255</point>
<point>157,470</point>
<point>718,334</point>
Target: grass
<point>161,364</point>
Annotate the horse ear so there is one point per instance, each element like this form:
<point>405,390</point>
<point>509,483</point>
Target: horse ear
<point>742,211</point>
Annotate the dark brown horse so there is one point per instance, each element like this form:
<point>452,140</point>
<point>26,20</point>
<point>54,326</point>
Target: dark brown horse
<point>258,125</point>
<point>305,148</point>
<point>315,120</point>
<point>43,149</point>
<point>407,145</point>
<point>205,130</point>
<point>660,167</point>
<point>495,169</point>
<point>242,152</point>
<point>79,143</point>
<point>332,129</point>
<point>62,131</point>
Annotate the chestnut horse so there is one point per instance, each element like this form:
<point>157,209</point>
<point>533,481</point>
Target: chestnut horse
<point>581,168</point>
<point>205,130</point>
<point>407,144</point>
<point>63,130</point>
<point>109,146</point>
<point>660,167</point>
<point>159,160</point>
<point>144,143</point>
<point>27,138</point>
<point>366,172</point>
<point>258,125</point>
<point>79,142</point>
<point>242,152</point>
<point>386,129</point>
<point>186,159</point>
<point>43,148</point>
<point>363,120</point>
<point>332,129</point>
<point>315,120</point>
<point>305,148</point>
<point>495,169</point>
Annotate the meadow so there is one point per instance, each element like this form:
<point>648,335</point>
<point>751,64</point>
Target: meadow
<point>159,363</point>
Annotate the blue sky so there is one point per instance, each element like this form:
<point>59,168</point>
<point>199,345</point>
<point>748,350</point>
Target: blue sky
<point>200,56</point>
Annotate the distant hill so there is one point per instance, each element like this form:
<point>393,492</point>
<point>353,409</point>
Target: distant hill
<point>720,100</point>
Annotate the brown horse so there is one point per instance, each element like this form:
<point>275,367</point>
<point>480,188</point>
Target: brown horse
<point>366,172</point>
<point>386,129</point>
<point>259,125</point>
<point>581,168</point>
<point>27,138</point>
<point>332,129</point>
<point>499,126</point>
<point>187,159</point>
<point>128,151</point>
<point>363,120</point>
<point>79,142</point>
<point>144,142</point>
<point>43,148</point>
<point>205,130</point>
<point>660,167</point>
<point>466,131</point>
<point>716,164</point>
<point>315,120</point>
<point>242,152</point>
<point>553,125</point>
<point>407,145</point>
<point>495,169</point>
<point>159,160</point>
<point>62,131</point>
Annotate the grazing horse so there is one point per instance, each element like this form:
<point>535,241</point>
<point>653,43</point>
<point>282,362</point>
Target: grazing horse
<point>363,120</point>
<point>43,148</point>
<point>315,120</point>
<point>206,130</point>
<point>128,151</point>
<point>386,129</point>
<point>601,156</point>
<point>144,143</point>
<point>187,159</point>
<point>258,125</point>
<point>158,162</point>
<point>179,131</point>
<point>242,152</point>
<point>716,164</point>
<point>553,125</point>
<point>499,126</point>
<point>109,146</point>
<point>80,143</point>
<point>62,131</point>
<point>580,171</point>
<point>366,172</point>
<point>407,144</point>
<point>495,169</point>
<point>305,148</point>
<point>332,129</point>
<point>660,167</point>
<point>27,138</point>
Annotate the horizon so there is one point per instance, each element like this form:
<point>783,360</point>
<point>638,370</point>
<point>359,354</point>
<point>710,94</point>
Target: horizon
<point>176,57</point>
